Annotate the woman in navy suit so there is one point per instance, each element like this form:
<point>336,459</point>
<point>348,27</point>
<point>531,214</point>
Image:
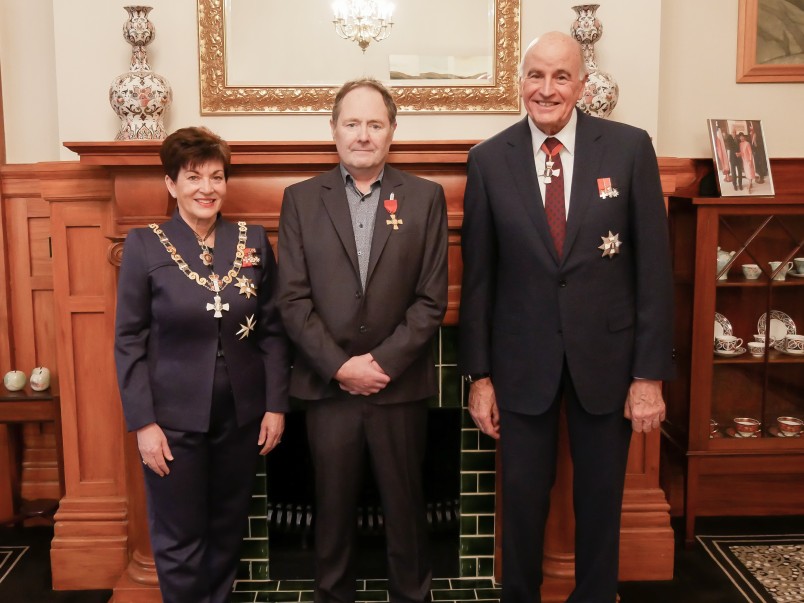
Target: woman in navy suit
<point>202,368</point>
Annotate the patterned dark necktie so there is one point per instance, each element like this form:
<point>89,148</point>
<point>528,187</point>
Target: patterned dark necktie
<point>554,192</point>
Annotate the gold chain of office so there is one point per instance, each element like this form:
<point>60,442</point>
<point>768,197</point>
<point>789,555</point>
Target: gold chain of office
<point>214,283</point>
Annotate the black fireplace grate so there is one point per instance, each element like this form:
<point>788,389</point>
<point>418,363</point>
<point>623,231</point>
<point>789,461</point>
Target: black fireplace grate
<point>296,518</point>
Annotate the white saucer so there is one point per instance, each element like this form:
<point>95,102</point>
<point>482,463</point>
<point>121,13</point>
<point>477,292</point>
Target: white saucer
<point>736,352</point>
<point>776,432</point>
<point>789,353</point>
<point>796,274</point>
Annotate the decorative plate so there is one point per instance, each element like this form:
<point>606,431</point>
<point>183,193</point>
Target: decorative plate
<point>722,326</point>
<point>781,325</point>
<point>737,352</point>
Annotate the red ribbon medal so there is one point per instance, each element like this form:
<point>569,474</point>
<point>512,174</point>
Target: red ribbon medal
<point>391,207</point>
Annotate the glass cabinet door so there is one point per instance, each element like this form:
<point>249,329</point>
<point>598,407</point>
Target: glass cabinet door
<point>758,348</point>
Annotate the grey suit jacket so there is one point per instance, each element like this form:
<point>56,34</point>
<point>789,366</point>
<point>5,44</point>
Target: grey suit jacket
<point>326,313</point>
<point>523,310</point>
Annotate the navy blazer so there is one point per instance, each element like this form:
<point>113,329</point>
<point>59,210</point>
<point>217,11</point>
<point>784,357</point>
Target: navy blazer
<point>329,317</point>
<point>166,341</point>
<point>523,310</point>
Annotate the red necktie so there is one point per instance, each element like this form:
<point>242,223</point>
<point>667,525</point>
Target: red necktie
<point>554,192</point>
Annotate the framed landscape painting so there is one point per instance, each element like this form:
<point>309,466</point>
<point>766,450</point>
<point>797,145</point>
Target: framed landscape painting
<point>741,157</point>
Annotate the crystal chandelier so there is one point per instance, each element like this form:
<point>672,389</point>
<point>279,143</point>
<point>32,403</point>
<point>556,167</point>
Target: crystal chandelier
<point>363,20</point>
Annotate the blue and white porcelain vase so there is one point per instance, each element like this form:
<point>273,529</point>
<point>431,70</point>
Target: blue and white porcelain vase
<point>140,97</point>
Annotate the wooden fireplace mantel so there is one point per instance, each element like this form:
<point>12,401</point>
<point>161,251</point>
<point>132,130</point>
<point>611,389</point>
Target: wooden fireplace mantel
<point>101,538</point>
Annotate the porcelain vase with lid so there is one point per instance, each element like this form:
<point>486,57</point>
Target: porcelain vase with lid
<point>140,97</point>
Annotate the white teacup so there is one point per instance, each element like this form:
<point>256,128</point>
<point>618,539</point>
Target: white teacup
<point>756,348</point>
<point>799,263</point>
<point>751,271</point>
<point>760,337</point>
<point>728,344</point>
<point>780,276</point>
<point>794,344</point>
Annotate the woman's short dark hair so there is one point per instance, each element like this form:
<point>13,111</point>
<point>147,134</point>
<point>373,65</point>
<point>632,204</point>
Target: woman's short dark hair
<point>192,147</point>
<point>366,82</point>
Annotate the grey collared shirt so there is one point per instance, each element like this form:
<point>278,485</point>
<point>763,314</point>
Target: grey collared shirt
<point>363,209</point>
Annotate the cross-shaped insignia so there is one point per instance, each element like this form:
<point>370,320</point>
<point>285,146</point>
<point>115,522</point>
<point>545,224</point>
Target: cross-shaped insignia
<point>394,222</point>
<point>217,306</point>
<point>247,328</point>
<point>549,171</point>
<point>246,286</point>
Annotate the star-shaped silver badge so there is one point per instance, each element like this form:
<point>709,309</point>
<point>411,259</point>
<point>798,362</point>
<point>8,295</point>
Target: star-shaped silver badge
<point>246,329</point>
<point>246,286</point>
<point>611,245</point>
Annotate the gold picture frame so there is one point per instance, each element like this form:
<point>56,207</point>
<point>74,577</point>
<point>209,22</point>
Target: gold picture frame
<point>756,16</point>
<point>219,98</point>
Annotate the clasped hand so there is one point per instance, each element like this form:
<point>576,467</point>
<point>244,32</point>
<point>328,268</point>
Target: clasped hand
<point>361,375</point>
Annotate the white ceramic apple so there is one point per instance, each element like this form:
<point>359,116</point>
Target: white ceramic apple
<point>14,380</point>
<point>40,379</point>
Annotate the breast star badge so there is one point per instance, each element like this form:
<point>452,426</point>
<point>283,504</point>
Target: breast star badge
<point>246,329</point>
<point>246,286</point>
<point>611,245</point>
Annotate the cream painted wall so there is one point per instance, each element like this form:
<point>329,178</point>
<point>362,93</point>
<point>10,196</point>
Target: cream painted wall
<point>29,86</point>
<point>57,70</point>
<point>85,58</point>
<point>699,64</point>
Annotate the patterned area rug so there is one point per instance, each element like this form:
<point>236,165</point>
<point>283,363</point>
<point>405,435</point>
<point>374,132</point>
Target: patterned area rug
<point>765,569</point>
<point>9,556</point>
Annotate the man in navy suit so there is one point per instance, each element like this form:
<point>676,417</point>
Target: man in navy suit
<point>566,298</point>
<point>362,292</point>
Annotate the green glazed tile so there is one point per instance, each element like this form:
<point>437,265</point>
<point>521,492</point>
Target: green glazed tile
<point>485,566</point>
<point>440,584</point>
<point>243,570</point>
<point>489,593</point>
<point>255,585</point>
<point>468,566</point>
<point>470,439</point>
<point>469,483</point>
<point>254,550</point>
<point>453,595</point>
<point>450,387</point>
<point>485,524</point>
<point>257,506</point>
<point>471,583</point>
<point>296,585</point>
<point>259,571</point>
<point>372,595</point>
<point>487,482</point>
<point>264,597</point>
<point>477,461</point>
<point>468,525</point>
<point>476,545</point>
<point>477,503</point>
<point>449,345</point>
<point>258,528</point>
<point>375,585</point>
<point>466,420</point>
<point>242,597</point>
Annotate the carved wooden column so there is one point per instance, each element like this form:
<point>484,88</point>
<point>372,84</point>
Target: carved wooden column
<point>90,546</point>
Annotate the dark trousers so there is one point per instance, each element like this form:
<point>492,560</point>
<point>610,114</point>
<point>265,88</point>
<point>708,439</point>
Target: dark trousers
<point>736,170</point>
<point>599,449</point>
<point>339,431</point>
<point>197,514</point>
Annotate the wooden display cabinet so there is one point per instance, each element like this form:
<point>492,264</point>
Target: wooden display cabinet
<point>727,474</point>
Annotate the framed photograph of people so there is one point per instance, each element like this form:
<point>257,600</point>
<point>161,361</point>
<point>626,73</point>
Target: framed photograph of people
<point>741,157</point>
